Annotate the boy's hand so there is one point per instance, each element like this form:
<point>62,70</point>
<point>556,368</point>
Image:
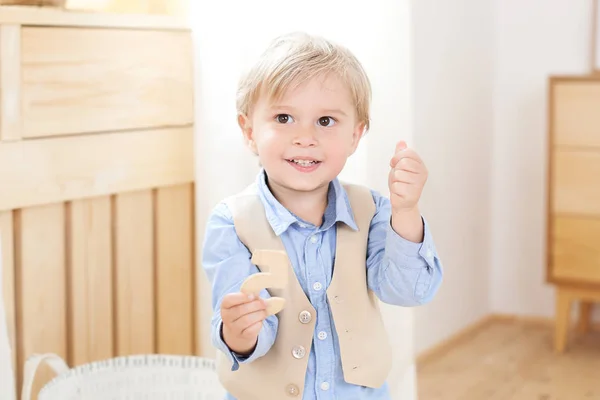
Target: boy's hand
<point>242,321</point>
<point>406,180</point>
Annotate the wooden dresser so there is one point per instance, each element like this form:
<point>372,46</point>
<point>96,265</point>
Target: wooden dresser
<point>573,242</point>
<point>96,185</point>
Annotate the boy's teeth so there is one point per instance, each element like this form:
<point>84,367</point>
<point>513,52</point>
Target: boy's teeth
<point>304,163</point>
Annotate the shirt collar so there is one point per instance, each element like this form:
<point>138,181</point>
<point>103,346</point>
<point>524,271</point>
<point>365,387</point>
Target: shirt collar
<point>280,218</point>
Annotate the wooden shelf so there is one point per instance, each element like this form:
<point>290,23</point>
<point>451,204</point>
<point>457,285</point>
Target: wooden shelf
<point>46,16</point>
<point>573,215</point>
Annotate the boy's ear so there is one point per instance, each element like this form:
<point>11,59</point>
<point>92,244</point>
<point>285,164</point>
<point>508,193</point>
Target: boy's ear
<point>246,127</point>
<point>357,134</point>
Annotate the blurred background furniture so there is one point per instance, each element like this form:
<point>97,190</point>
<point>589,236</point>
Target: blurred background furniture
<point>97,178</point>
<point>574,199</point>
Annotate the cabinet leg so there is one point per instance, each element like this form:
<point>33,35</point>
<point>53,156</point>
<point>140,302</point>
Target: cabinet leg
<point>585,316</point>
<point>563,314</point>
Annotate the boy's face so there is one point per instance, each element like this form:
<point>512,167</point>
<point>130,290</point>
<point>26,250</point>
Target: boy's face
<point>304,139</point>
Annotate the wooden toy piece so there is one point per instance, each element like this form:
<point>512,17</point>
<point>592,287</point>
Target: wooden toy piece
<point>257,282</point>
<point>275,275</point>
<point>274,305</point>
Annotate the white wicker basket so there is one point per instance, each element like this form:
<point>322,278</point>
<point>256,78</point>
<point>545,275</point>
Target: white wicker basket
<point>147,377</point>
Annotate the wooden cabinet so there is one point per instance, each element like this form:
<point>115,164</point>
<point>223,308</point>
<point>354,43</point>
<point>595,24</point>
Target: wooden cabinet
<point>574,199</point>
<point>97,185</point>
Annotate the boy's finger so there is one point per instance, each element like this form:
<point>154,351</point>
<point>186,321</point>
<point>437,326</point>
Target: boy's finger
<point>401,145</point>
<point>235,299</point>
<point>252,330</point>
<point>247,320</point>
<point>408,164</point>
<point>405,154</point>
<point>246,308</point>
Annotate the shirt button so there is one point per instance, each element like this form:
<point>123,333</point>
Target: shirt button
<point>292,390</point>
<point>298,352</point>
<point>305,317</point>
<point>317,286</point>
<point>325,386</point>
<point>322,335</point>
<point>302,225</point>
<point>313,239</point>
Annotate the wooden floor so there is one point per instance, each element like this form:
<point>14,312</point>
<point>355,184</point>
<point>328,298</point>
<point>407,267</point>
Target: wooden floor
<point>513,361</point>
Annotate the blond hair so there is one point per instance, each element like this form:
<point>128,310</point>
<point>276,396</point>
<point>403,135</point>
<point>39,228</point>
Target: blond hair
<point>297,57</point>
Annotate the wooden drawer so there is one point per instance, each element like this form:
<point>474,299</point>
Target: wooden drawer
<point>81,80</point>
<point>576,113</point>
<point>576,182</point>
<point>575,250</point>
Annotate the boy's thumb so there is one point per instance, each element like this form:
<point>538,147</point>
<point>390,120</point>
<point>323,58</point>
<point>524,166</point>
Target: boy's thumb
<point>401,145</point>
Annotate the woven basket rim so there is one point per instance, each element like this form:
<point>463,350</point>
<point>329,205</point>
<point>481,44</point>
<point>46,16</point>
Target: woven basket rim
<point>134,361</point>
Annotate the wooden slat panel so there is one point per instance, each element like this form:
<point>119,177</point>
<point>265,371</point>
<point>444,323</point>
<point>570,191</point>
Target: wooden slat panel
<point>575,250</point>
<point>43,171</point>
<point>90,80</point>
<point>575,113</point>
<point>175,276</point>
<point>90,283</point>
<point>10,78</point>
<point>134,272</point>
<point>8,277</point>
<point>576,182</point>
<point>41,280</point>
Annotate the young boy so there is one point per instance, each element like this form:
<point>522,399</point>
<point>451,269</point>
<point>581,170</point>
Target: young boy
<point>302,110</point>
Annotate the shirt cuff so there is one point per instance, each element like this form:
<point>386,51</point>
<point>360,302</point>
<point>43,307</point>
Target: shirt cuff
<point>399,248</point>
<point>262,346</point>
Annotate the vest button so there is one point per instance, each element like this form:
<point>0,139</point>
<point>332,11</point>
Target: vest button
<point>292,390</point>
<point>298,352</point>
<point>305,317</point>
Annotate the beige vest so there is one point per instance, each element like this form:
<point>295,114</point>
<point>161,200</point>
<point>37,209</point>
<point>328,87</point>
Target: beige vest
<point>364,346</point>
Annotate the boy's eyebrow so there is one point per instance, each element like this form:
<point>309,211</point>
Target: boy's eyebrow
<point>335,111</point>
<point>325,111</point>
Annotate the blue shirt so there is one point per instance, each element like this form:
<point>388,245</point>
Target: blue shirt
<point>400,272</point>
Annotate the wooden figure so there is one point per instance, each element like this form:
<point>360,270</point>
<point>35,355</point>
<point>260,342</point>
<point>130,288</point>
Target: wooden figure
<point>274,264</point>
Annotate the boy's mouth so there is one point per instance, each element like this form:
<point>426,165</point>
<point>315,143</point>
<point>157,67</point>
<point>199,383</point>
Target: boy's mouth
<point>303,162</point>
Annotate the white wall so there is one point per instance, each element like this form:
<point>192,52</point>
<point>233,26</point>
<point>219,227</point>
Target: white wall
<point>380,37</point>
<point>481,70</point>
<point>453,87</point>
<point>534,39</point>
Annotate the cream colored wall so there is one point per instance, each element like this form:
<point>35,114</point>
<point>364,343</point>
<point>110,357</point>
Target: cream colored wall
<point>453,77</point>
<point>481,120</point>
<point>535,39</point>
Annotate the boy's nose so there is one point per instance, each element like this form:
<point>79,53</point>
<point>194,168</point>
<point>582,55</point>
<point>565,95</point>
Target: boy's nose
<point>305,138</point>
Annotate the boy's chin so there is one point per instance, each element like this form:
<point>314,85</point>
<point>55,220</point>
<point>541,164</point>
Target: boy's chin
<point>309,184</point>
<point>301,184</point>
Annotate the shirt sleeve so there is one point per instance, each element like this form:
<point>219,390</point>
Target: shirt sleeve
<point>399,271</point>
<point>226,262</point>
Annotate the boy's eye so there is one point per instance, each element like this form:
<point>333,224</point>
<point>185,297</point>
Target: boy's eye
<point>284,118</point>
<point>326,121</point>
